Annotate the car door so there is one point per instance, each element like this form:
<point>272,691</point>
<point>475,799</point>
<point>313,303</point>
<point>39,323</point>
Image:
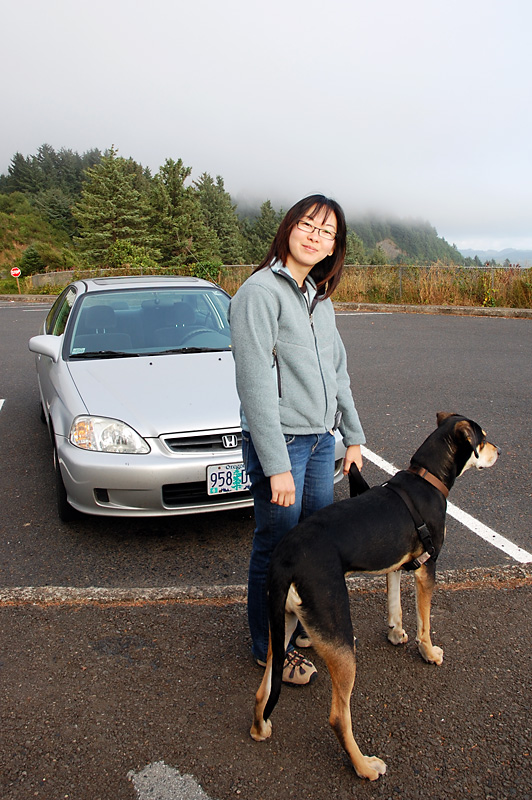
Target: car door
<point>49,372</point>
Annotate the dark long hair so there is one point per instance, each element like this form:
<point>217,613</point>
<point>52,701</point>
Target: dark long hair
<point>327,272</point>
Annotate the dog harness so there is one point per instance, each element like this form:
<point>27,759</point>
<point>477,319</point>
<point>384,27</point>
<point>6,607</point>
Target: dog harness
<point>422,530</point>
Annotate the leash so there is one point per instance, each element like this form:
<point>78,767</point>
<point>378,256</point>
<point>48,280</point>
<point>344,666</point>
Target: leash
<point>422,530</point>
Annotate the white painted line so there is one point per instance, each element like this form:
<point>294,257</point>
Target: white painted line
<point>463,517</point>
<point>1,404</point>
<point>489,535</point>
<point>158,781</point>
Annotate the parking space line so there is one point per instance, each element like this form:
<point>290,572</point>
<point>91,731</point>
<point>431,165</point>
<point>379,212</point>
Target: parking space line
<point>489,535</point>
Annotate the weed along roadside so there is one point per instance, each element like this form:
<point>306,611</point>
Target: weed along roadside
<point>436,288</point>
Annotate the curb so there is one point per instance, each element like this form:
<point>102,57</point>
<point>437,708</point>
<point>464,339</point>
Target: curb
<point>385,308</point>
<point>503,577</point>
<point>471,311</point>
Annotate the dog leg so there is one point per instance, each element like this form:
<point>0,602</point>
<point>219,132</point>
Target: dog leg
<point>425,579</point>
<point>396,633</point>
<point>341,663</point>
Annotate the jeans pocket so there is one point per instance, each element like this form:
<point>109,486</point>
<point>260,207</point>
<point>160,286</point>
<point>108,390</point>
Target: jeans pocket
<point>289,438</point>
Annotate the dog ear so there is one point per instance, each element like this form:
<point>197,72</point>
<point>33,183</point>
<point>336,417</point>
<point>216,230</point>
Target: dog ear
<point>441,416</point>
<point>470,433</point>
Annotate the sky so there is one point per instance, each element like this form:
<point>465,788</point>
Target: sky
<point>420,109</point>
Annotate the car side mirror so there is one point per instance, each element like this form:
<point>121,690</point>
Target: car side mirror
<point>47,345</point>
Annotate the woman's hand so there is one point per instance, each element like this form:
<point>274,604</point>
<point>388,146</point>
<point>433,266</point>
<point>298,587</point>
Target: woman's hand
<point>283,489</point>
<point>352,454</point>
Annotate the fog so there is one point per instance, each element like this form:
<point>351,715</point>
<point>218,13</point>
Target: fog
<point>416,109</point>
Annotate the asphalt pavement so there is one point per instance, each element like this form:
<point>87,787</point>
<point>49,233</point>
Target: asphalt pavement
<point>111,694</point>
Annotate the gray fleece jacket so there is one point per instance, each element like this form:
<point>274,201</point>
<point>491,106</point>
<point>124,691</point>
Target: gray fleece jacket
<point>291,366</point>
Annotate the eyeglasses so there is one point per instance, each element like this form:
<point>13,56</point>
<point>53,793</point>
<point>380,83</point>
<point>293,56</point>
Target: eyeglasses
<point>306,227</point>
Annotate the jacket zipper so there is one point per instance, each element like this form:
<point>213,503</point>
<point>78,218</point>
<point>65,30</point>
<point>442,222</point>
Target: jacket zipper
<point>278,369</point>
<point>310,310</point>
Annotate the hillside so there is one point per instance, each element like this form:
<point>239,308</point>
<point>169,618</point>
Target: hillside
<point>28,240</point>
<point>105,210</point>
<point>521,257</point>
<point>405,240</point>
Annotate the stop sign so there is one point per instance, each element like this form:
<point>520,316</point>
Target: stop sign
<point>15,272</point>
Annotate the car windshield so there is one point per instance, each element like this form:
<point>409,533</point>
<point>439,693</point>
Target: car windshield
<point>132,322</point>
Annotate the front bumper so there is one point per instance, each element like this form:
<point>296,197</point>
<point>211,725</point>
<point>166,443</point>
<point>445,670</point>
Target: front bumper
<point>152,485</point>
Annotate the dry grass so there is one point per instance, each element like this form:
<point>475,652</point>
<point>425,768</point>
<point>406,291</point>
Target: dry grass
<point>437,284</point>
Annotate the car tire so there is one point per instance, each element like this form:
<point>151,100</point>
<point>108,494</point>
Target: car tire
<point>43,415</point>
<point>66,512</point>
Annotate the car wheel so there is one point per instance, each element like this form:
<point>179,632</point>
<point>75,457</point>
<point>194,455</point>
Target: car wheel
<point>67,513</point>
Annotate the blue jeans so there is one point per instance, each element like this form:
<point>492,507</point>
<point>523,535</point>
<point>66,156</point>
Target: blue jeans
<point>312,463</point>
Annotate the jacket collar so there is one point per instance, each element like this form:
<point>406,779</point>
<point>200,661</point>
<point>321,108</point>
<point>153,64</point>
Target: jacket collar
<point>280,269</point>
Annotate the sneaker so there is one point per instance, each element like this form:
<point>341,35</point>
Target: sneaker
<point>297,670</point>
<point>303,640</point>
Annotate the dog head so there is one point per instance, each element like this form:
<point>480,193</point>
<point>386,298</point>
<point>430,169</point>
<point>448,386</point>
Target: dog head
<point>473,448</point>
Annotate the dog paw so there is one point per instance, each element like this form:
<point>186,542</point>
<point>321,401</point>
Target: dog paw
<point>261,730</point>
<point>397,636</point>
<point>371,768</point>
<point>433,655</point>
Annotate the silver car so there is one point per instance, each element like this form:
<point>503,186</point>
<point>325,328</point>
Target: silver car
<point>137,385</point>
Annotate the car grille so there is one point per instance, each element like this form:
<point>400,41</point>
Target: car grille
<point>182,494</point>
<point>213,442</point>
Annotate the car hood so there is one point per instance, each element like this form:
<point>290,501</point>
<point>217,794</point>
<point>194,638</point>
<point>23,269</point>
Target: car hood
<point>161,394</point>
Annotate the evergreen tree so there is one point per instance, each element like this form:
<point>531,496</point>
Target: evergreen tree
<point>177,218</point>
<point>355,252</point>
<point>48,170</point>
<point>31,261</point>
<point>23,176</point>
<point>378,257</point>
<point>56,207</point>
<point>111,209</point>
<point>261,231</point>
<point>220,215</point>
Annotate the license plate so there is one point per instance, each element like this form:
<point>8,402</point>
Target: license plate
<point>227,478</point>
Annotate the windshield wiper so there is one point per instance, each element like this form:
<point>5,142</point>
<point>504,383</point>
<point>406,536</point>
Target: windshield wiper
<point>188,350</point>
<point>104,354</point>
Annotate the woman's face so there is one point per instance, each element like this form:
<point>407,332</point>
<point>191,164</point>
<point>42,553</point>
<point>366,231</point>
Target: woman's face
<point>306,248</point>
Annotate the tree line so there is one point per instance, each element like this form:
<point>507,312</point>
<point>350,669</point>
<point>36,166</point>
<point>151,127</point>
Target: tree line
<point>60,209</point>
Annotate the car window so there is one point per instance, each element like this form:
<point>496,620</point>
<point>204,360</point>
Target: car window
<point>60,311</point>
<point>149,321</point>
<point>52,314</point>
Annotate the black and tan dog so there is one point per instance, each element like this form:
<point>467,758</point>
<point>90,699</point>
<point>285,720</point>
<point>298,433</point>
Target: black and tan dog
<point>398,525</point>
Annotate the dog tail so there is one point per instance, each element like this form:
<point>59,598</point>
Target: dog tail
<point>277,601</point>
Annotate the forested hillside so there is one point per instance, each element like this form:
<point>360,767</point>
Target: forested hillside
<point>60,209</point>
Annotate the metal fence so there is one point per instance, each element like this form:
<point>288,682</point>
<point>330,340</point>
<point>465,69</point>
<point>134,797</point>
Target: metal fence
<point>439,284</point>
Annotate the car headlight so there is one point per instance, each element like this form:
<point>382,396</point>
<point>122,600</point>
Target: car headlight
<point>106,436</point>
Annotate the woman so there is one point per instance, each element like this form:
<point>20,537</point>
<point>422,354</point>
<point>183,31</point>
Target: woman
<point>292,380</point>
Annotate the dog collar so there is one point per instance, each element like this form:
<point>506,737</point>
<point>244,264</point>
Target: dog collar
<point>428,476</point>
